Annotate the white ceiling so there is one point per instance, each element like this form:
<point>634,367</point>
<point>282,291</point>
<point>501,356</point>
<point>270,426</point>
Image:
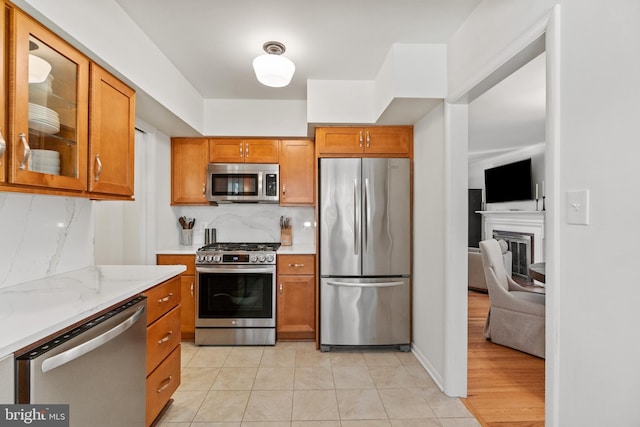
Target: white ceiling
<point>213,43</point>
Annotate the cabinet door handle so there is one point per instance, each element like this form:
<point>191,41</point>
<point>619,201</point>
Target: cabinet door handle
<point>166,338</point>
<point>165,299</point>
<point>246,151</point>
<point>3,146</point>
<point>280,288</point>
<point>284,190</point>
<point>192,295</point>
<point>165,384</point>
<point>368,140</point>
<point>204,189</point>
<point>27,151</point>
<point>99,169</point>
<point>296,265</point>
<point>360,139</point>
<point>240,149</point>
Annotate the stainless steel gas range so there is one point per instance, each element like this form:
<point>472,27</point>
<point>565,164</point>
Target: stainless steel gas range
<point>236,298</point>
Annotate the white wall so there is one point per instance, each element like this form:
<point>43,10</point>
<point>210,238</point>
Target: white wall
<point>599,352</point>
<point>594,360</point>
<point>428,239</point>
<point>535,153</point>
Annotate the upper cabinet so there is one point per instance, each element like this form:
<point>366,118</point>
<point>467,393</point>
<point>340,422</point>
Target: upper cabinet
<point>230,150</point>
<point>49,133</point>
<point>297,173</point>
<point>63,130</point>
<point>375,141</point>
<point>4,103</point>
<point>111,135</point>
<point>189,159</point>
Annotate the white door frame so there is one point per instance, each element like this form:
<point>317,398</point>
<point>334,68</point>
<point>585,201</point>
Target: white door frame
<point>518,52</point>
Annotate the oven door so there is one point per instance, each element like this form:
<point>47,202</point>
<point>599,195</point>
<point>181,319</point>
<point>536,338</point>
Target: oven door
<point>236,296</point>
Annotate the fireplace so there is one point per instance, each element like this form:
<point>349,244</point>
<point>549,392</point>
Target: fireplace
<point>522,250</point>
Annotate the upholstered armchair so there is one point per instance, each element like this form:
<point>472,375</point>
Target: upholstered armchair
<point>475,272</point>
<point>516,316</point>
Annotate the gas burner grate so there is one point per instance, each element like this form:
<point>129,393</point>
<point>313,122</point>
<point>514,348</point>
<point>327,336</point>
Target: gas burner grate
<point>234,246</point>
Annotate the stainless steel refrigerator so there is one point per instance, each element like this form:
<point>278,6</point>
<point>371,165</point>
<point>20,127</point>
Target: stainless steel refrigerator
<point>365,256</point>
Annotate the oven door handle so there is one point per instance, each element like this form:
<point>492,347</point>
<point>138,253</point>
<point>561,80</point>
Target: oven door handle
<point>235,270</point>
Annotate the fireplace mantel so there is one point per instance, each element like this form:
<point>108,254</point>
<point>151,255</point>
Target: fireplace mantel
<point>531,222</point>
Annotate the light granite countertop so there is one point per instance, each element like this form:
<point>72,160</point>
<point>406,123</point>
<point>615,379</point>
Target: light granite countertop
<point>36,309</point>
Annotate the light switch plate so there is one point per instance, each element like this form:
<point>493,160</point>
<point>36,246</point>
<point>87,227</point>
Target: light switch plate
<point>578,207</point>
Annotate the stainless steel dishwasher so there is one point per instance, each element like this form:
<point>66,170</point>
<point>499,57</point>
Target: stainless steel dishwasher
<point>97,368</point>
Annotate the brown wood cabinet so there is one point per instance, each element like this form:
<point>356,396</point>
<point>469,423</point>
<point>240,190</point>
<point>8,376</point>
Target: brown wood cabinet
<point>46,118</point>
<point>189,159</point>
<point>375,141</point>
<point>112,134</point>
<point>49,114</point>
<point>297,173</point>
<point>187,291</point>
<point>296,313</point>
<point>163,345</point>
<point>233,150</point>
<point>4,104</point>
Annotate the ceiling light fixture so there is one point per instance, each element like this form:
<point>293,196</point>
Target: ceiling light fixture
<point>273,69</point>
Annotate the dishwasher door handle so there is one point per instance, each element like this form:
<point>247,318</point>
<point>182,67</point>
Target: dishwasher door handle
<point>84,348</point>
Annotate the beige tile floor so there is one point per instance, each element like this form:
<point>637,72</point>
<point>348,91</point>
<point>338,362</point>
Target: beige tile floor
<point>293,385</point>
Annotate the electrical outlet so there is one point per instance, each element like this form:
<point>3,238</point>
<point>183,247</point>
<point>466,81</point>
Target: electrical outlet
<point>578,207</point>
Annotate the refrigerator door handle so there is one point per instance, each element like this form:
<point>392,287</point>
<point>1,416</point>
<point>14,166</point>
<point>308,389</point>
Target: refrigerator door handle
<point>356,214</point>
<point>365,285</point>
<point>366,208</point>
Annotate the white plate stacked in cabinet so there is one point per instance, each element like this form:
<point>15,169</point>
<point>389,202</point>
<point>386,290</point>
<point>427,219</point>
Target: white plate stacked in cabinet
<point>45,161</point>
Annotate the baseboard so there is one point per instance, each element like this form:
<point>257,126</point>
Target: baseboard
<point>433,373</point>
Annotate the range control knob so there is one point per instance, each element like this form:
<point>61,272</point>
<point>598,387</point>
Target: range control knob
<point>253,258</point>
<point>200,258</point>
<point>217,258</point>
<point>261,258</point>
<point>209,258</point>
<point>269,258</point>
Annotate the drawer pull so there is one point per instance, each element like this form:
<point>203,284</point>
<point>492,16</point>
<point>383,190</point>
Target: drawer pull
<point>165,384</point>
<point>280,288</point>
<point>166,338</point>
<point>296,265</point>
<point>165,299</point>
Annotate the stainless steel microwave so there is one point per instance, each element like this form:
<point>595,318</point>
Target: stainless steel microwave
<point>242,183</point>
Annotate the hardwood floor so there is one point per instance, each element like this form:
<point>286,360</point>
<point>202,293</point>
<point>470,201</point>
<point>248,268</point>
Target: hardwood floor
<point>505,386</point>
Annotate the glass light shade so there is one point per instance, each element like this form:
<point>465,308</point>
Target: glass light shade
<point>39,69</point>
<point>273,70</point>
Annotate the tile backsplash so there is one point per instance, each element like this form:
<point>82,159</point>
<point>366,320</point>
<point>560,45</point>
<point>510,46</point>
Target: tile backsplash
<point>248,222</point>
<point>43,235</point>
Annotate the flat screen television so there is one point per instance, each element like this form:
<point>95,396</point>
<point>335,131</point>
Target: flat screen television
<point>508,183</point>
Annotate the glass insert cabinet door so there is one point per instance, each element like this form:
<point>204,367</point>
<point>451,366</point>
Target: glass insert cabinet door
<point>50,134</point>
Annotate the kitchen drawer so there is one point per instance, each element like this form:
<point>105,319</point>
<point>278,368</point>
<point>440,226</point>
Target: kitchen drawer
<point>188,261</point>
<point>162,298</point>
<point>162,337</point>
<point>296,264</point>
<point>162,383</point>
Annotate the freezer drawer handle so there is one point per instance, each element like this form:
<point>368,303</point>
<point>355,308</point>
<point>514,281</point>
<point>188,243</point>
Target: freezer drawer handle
<point>84,348</point>
<point>366,285</point>
<point>165,384</point>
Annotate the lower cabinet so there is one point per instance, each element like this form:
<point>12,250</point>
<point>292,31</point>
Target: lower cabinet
<point>188,291</point>
<point>163,345</point>
<point>296,302</point>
